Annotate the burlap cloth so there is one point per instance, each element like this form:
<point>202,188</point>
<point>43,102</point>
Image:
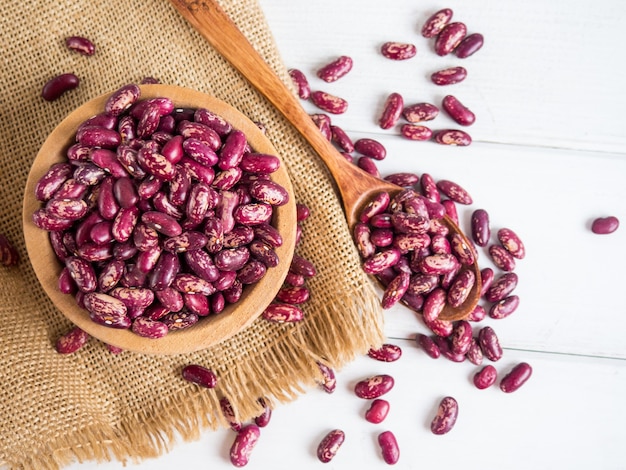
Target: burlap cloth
<point>55,409</point>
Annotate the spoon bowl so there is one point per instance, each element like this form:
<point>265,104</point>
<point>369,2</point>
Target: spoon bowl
<point>209,330</point>
<point>355,186</point>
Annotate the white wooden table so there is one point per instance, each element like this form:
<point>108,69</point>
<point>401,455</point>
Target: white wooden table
<point>548,157</point>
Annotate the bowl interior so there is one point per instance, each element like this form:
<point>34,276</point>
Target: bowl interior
<point>209,330</point>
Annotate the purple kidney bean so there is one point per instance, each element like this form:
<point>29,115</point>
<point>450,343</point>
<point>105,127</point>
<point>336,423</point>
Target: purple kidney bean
<point>370,148</point>
<point>469,45</point>
<point>56,86</point>
<point>446,417</point>
<point>516,377</point>
<point>199,375</point>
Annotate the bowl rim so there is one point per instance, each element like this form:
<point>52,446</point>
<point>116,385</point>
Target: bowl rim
<point>210,330</point>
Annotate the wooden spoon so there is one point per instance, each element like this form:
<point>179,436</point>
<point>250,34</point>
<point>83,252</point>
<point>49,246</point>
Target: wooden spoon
<point>355,186</point>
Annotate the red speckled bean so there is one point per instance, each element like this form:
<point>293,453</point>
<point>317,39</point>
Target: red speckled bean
<point>501,287</point>
<point>71,341</point>
<point>505,307</point>
<point>480,228</point>
<point>502,258</point>
<point>56,86</point>
<point>398,50</point>
<point>454,191</point>
<point>449,76</point>
<point>244,443</point>
<point>336,69</point>
<point>453,137</point>
<point>489,343</point>
<point>516,377</point>
<point>81,45</point>
<point>436,22</point>
<point>420,112</point>
<point>122,99</point>
<point>446,417</point>
<point>461,337</point>
<point>386,353</point>
<point>370,148</point>
<point>428,345</point>
<point>329,445</point>
<point>474,354</point>
<point>485,377</point>
<point>418,133</point>
<point>389,447</point>
<point>511,243</point>
<point>449,38</point>
<point>374,387</point>
<point>329,103</point>
<point>301,82</point>
<point>458,111</point>
<point>392,109</point>
<point>283,313</point>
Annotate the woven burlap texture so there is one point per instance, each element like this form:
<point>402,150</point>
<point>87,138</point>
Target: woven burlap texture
<point>95,405</point>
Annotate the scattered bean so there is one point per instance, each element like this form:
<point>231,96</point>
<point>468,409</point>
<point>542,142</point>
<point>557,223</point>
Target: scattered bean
<point>389,447</point>
<point>485,377</point>
<point>398,50</point>
<point>516,377</point>
<point>446,417</point>
<point>329,445</point>
<point>605,225</point>
<point>56,86</point>
<point>336,69</point>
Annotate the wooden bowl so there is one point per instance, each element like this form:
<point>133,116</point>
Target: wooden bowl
<point>207,331</point>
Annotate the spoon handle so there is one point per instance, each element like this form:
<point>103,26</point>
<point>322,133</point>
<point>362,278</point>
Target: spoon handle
<point>207,17</point>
